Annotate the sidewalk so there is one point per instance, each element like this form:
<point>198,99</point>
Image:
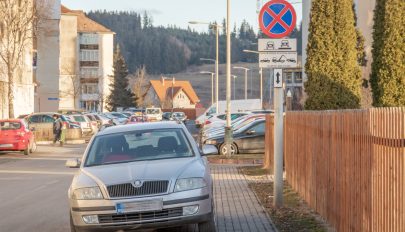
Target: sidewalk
<point>237,208</point>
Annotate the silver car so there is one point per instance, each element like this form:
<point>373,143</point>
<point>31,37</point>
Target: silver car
<point>149,175</point>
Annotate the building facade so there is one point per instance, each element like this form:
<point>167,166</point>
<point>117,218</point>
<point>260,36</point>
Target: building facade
<point>86,62</point>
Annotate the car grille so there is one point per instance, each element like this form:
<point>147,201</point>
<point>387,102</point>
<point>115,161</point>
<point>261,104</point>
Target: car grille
<point>147,188</point>
<point>143,217</point>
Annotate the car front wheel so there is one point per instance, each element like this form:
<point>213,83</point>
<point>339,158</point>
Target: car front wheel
<point>224,150</point>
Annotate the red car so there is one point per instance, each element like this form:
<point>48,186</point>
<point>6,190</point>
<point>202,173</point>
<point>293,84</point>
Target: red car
<point>136,119</point>
<point>16,136</point>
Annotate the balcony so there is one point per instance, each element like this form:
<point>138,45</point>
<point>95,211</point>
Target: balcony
<point>89,46</point>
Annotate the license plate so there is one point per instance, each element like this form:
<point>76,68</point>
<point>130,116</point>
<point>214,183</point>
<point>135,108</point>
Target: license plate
<point>140,206</point>
<point>6,145</point>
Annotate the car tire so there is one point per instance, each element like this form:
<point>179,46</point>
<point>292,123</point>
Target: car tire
<point>208,226</point>
<point>234,149</point>
<point>33,147</point>
<point>27,151</point>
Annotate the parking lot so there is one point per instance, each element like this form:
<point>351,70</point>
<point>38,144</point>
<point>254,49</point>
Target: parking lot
<point>34,193</point>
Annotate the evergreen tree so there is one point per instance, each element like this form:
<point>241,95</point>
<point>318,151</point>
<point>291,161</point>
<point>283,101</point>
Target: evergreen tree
<point>388,67</point>
<point>121,95</point>
<point>332,68</point>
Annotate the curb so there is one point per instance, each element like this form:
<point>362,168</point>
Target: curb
<point>71,142</point>
<point>235,161</point>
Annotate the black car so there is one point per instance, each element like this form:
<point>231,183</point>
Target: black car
<point>179,116</point>
<point>248,139</point>
<point>167,116</point>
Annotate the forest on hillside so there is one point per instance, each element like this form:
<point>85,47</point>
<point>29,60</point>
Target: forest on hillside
<point>166,50</point>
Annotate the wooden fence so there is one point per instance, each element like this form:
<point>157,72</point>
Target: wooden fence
<point>349,166</point>
<point>46,134</point>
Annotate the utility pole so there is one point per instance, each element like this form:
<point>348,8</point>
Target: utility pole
<point>228,128</point>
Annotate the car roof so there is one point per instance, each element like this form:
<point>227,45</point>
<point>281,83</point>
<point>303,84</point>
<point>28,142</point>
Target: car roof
<point>11,120</point>
<point>142,126</point>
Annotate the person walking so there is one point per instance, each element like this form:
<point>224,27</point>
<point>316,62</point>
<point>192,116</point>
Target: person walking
<point>57,128</point>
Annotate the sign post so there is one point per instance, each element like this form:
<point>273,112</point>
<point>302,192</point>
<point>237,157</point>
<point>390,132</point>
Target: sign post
<point>277,20</point>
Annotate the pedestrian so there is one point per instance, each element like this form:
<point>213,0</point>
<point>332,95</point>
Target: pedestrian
<point>57,128</point>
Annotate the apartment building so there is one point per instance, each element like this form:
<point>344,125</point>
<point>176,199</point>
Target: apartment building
<point>86,62</point>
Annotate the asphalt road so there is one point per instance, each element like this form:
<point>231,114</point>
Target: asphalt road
<point>33,189</point>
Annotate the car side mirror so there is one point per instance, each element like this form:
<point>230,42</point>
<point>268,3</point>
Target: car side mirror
<point>209,150</point>
<point>251,132</point>
<point>73,163</point>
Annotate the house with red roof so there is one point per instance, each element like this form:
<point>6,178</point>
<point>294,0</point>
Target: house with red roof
<point>171,93</point>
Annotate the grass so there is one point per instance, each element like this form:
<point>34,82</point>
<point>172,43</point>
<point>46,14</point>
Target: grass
<point>254,171</point>
<point>294,216</point>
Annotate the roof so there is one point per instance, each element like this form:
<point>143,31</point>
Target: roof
<point>85,24</point>
<point>162,90</point>
<point>140,126</point>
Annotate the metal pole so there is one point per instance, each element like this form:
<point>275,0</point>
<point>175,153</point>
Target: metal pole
<point>246,84</point>
<point>278,146</point>
<point>234,88</point>
<point>212,88</point>
<point>261,87</point>
<point>217,69</point>
<point>228,129</point>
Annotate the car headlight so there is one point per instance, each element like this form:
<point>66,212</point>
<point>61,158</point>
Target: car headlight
<point>189,184</point>
<point>92,193</point>
<point>211,142</point>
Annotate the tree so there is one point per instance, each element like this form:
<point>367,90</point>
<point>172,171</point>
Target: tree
<point>71,84</point>
<point>388,68</point>
<point>121,95</point>
<point>18,25</point>
<point>140,86</point>
<point>334,77</point>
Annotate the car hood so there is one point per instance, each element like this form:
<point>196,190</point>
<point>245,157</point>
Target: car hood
<point>165,169</point>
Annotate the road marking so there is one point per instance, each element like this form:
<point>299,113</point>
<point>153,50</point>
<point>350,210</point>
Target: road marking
<point>35,172</point>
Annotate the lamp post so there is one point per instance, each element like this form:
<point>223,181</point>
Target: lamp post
<point>212,85</point>
<point>234,86</point>
<point>246,70</point>
<point>228,128</point>
<point>217,27</point>
<point>261,76</point>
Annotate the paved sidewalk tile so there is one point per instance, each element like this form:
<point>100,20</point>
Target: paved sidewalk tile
<point>237,208</point>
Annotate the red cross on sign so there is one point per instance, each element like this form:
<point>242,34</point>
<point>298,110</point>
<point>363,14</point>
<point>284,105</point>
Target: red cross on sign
<point>277,19</point>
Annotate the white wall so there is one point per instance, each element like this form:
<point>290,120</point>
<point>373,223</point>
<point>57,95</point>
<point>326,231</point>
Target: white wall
<point>68,62</point>
<point>181,100</point>
<point>106,53</point>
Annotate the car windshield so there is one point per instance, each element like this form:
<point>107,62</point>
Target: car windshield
<point>10,125</point>
<point>152,111</point>
<point>137,146</point>
<point>178,114</point>
<point>79,119</point>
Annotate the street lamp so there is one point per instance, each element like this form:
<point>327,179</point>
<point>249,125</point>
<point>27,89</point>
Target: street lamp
<point>234,86</point>
<point>212,85</point>
<point>173,80</point>
<point>217,27</point>
<point>261,76</point>
<point>246,70</point>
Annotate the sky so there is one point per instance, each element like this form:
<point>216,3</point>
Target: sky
<point>180,12</point>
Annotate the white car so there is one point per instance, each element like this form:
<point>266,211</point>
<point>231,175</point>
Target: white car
<point>83,122</point>
<point>154,114</point>
<point>220,120</point>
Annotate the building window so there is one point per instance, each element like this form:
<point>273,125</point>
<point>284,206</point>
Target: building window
<point>87,38</point>
<point>298,77</point>
<point>89,46</point>
<point>90,89</point>
<point>89,64</point>
<point>89,55</point>
<point>89,72</point>
<point>288,78</point>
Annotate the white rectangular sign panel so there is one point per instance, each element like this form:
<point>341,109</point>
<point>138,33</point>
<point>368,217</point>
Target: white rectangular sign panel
<point>278,78</point>
<point>278,60</point>
<point>277,45</point>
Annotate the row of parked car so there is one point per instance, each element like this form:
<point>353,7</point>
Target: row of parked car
<point>248,130</point>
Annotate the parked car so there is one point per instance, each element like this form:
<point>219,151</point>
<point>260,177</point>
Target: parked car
<point>121,118</point>
<point>167,116</point>
<point>248,139</point>
<point>128,114</point>
<point>95,124</point>
<point>153,114</point>
<point>220,119</point>
<point>83,121</point>
<point>45,120</point>
<point>148,175</point>
<point>179,116</point>
<point>16,136</point>
<point>136,119</point>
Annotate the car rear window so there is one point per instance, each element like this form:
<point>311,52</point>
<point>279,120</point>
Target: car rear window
<point>139,145</point>
<point>79,119</point>
<point>10,125</point>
